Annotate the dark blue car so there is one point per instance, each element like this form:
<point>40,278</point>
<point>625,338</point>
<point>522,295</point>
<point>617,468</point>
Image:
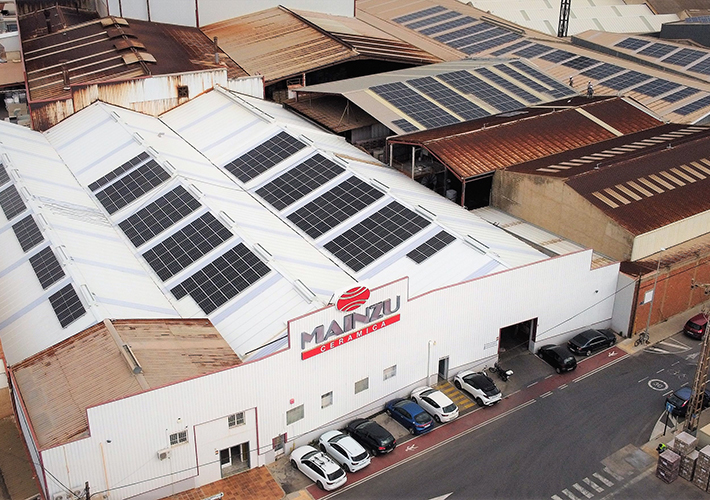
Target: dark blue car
<point>410,415</point>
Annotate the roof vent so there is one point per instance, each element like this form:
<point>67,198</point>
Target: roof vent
<point>425,213</point>
<point>137,368</point>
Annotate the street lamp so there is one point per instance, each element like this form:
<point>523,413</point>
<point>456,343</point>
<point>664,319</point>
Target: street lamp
<point>653,292</point>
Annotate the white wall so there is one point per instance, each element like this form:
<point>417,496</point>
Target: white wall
<point>624,304</point>
<point>188,12</point>
<point>464,320</point>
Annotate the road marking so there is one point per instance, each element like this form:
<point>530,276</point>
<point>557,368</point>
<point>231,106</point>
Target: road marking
<point>657,384</point>
<point>593,485</point>
<point>549,376</point>
<point>612,354</point>
<point>563,386</point>
<point>442,497</point>
<point>657,350</point>
<point>549,393</point>
<point>675,343</point>
<point>667,392</point>
<point>598,369</point>
<point>642,380</point>
<point>583,491</point>
<point>571,495</point>
<point>690,357</point>
<point>659,371</point>
<point>513,393</point>
<point>602,479</point>
<point>555,497</point>
<point>613,474</point>
<point>411,447</point>
<point>675,363</point>
<point>532,384</point>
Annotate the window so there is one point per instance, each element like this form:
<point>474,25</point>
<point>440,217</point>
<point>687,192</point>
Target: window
<point>236,419</point>
<point>278,442</point>
<point>178,438</point>
<point>389,372</point>
<point>183,91</point>
<point>294,415</point>
<point>362,385</point>
<point>326,399</point>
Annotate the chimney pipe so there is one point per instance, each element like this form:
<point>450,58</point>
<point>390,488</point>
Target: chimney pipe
<point>216,51</point>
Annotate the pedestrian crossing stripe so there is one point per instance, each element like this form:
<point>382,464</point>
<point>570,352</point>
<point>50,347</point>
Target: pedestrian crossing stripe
<point>569,495</point>
<point>592,485</point>
<point>612,474</point>
<point>602,479</point>
<point>582,490</point>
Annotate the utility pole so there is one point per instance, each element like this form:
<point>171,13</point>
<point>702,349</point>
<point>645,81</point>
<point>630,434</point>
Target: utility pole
<point>695,405</point>
<point>564,18</point>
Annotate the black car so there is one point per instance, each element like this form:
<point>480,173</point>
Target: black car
<point>680,400</point>
<point>372,436</point>
<point>559,357</point>
<point>590,341</point>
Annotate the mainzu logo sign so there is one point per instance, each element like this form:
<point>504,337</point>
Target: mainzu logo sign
<point>353,326</point>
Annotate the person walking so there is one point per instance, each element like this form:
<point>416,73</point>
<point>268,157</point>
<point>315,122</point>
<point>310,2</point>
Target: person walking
<point>590,89</point>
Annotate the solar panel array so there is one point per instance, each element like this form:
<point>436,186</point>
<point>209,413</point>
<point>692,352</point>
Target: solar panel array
<point>131,186</point>
<point>11,202</point>
<point>490,43</point>
<point>455,36</point>
<point>533,51</point>
<point>186,246</point>
<point>431,246</point>
<point>557,56</point>
<point>657,50</point>
<point>507,85</point>
<point>449,14</point>
<point>418,14</point>
<point>413,104</point>
<point>680,95</point>
<point>223,278</point>
<point>335,206</point>
<point>656,87</point>
<point>511,48</point>
<point>444,95</point>
<point>557,90</point>
<point>67,305</point>
<point>603,71</point>
<point>264,156</point>
<point>580,62</point>
<point>461,21</point>
<point>702,67</point>
<point>294,184</point>
<point>46,267</point>
<point>626,80</point>
<point>632,43</point>
<point>4,177</point>
<point>466,83</point>
<point>684,57</point>
<point>159,215</point>
<point>694,106</point>
<point>376,235</point>
<point>405,125</point>
<point>678,56</point>
<point>130,164</point>
<point>27,233</point>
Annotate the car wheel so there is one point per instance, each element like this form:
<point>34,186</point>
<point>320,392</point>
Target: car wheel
<point>558,369</point>
<point>457,384</point>
<point>347,468</point>
<point>437,418</point>
<point>294,465</point>
<point>320,485</point>
<point>588,353</point>
<point>478,401</point>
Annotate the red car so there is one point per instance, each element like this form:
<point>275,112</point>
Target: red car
<point>695,327</point>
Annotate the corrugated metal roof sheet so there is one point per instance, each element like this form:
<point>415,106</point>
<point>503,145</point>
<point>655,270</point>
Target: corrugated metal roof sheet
<point>334,112</point>
<point>58,385</point>
<point>485,149</point>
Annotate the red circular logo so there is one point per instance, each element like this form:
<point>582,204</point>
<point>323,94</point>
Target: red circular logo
<point>353,298</point>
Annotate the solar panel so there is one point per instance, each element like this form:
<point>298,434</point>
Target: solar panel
<point>507,85</point>
<point>657,50</point>
<point>3,175</point>
<point>680,95</point>
<point>521,78</point>
<point>156,217</point>
<point>267,154</point>
<point>511,48</point>
<point>133,162</point>
<point>694,106</point>
<point>335,206</point>
<point>489,44</point>
<point>489,32</point>
<point>413,104</point>
<point>626,80</point>
<point>558,90</point>
<point>702,67</point>
<point>46,267</point>
<point>684,57</point>
<point>405,125</point>
<point>603,71</point>
<point>431,20</point>
<point>631,43</point>
<point>181,249</point>
<point>465,82</point>
<point>469,30</point>
<point>431,246</point>
<point>27,232</point>
<point>557,56</point>
<point>447,97</point>
<point>417,15</point>
<point>656,87</point>
<point>533,51</point>
<point>580,62</point>
<point>223,278</point>
<point>132,186</point>
<point>66,305</point>
<point>373,237</point>
<point>697,19</point>
<point>299,181</point>
<point>11,202</point>
<point>461,21</point>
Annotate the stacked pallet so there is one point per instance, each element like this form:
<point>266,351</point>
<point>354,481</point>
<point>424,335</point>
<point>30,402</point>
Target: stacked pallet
<point>684,443</point>
<point>687,465</point>
<point>702,469</point>
<point>668,466</point>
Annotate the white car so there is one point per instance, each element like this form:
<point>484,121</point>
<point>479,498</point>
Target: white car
<point>436,403</point>
<point>480,386</point>
<point>318,467</point>
<point>345,450</point>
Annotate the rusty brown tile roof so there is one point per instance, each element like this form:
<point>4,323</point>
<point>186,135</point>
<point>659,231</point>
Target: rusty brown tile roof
<point>43,21</point>
<point>106,49</point>
<point>334,112</point>
<point>58,384</point>
<point>484,149</point>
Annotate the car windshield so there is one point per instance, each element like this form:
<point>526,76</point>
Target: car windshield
<point>310,454</point>
<point>337,438</point>
<point>359,457</point>
<point>694,326</point>
<point>422,418</point>
<point>481,381</point>
<point>401,404</point>
<point>336,474</point>
<point>568,360</point>
<point>427,392</point>
<point>450,408</point>
<point>387,441</point>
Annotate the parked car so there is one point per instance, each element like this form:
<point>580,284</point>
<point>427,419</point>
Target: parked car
<point>590,341</point>
<point>436,403</point>
<point>558,357</point>
<point>695,326</point>
<point>318,467</point>
<point>410,415</point>
<point>480,386</point>
<point>372,436</point>
<point>345,450</point>
<point>681,398</point>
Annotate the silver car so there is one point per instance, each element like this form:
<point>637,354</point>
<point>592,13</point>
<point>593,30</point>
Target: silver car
<point>436,403</point>
<point>345,450</point>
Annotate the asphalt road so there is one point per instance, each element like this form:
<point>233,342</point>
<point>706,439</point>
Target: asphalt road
<point>589,431</point>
